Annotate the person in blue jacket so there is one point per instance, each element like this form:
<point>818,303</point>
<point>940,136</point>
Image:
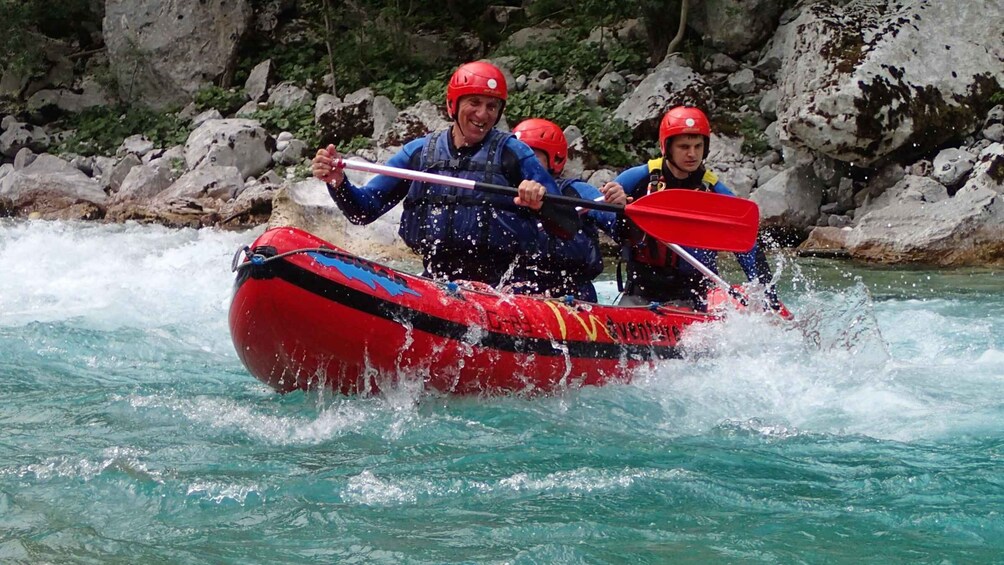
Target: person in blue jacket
<point>654,272</point>
<point>565,267</point>
<point>461,234</point>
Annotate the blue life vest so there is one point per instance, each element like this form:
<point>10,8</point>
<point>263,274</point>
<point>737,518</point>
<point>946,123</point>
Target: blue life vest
<point>452,223</point>
<point>580,256</point>
<point>562,267</point>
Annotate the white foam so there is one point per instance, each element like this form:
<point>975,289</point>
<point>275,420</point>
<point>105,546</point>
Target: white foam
<point>112,276</point>
<point>255,422</point>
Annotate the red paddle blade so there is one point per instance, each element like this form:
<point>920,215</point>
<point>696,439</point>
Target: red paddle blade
<point>697,219</point>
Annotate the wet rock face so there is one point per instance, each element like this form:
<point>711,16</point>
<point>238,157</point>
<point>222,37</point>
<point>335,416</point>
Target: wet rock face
<point>867,81</point>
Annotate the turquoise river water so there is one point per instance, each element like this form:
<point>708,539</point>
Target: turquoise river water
<point>871,431</point>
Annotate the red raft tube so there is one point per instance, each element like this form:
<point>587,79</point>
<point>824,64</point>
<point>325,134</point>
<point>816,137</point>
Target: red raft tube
<point>306,314</point>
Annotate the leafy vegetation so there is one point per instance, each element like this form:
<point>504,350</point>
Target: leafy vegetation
<point>101,130</point>
<point>754,139</point>
<point>356,143</point>
<point>366,47</point>
<point>366,43</point>
<point>608,137</point>
<point>27,27</point>
<point>226,101</point>
<point>566,52</point>
<point>406,92</point>
<point>297,120</point>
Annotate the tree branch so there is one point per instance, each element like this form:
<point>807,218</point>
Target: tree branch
<point>679,32</point>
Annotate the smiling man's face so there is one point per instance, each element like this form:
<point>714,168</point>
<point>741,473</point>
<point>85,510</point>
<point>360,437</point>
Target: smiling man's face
<point>475,116</point>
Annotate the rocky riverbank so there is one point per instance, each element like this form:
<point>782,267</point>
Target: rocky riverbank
<point>872,129</point>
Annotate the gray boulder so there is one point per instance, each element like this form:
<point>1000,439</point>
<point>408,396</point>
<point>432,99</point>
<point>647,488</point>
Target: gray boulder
<point>52,188</point>
<point>791,199</point>
<point>670,84</point>
<point>342,120</point>
<point>163,51</point>
<point>966,229</point>
<point>236,142</point>
<point>867,80</point>
<point>952,165</point>
<point>736,26</point>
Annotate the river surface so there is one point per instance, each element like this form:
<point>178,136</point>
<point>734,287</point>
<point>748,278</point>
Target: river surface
<point>870,431</point>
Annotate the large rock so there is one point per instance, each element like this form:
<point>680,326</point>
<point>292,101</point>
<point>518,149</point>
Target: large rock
<point>966,229</point>
<point>825,241</point>
<point>871,79</point>
<point>51,188</point>
<point>414,122</point>
<point>736,26</point>
<point>252,207</point>
<point>163,51</point>
<point>234,142</point>
<point>48,102</point>
<point>194,200</point>
<point>341,120</point>
<point>18,136</point>
<point>790,200</point>
<point>142,183</point>
<point>671,83</point>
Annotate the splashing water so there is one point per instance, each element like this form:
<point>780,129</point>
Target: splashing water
<point>133,434</point>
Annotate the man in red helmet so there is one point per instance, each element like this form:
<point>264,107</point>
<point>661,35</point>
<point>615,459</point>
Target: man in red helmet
<point>565,267</point>
<point>654,272</point>
<point>460,233</point>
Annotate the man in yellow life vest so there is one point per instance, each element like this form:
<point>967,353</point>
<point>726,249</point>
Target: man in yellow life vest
<point>654,272</point>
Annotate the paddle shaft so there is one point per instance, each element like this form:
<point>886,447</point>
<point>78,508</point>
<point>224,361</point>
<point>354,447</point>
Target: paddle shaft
<point>722,283</point>
<point>701,267</point>
<point>472,185</point>
<point>686,217</point>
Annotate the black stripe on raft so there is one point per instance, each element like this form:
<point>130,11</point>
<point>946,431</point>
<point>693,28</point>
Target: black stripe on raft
<point>428,323</point>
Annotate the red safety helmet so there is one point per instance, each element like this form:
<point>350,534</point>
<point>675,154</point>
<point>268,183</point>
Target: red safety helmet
<point>479,77</point>
<point>684,120</point>
<point>546,136</point>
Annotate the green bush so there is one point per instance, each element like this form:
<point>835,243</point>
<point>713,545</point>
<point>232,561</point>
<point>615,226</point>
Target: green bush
<point>754,139</point>
<point>297,120</point>
<point>404,93</point>
<point>356,143</point>
<point>364,51</point>
<point>227,101</point>
<point>100,130</point>
<point>608,137</point>
<point>567,52</point>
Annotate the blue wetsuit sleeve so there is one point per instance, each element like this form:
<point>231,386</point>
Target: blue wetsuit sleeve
<point>364,204</point>
<point>633,180</point>
<point>720,188</point>
<point>529,166</point>
<point>560,223</point>
<point>607,221</point>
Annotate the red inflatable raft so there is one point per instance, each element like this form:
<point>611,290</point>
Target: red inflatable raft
<point>306,314</point>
